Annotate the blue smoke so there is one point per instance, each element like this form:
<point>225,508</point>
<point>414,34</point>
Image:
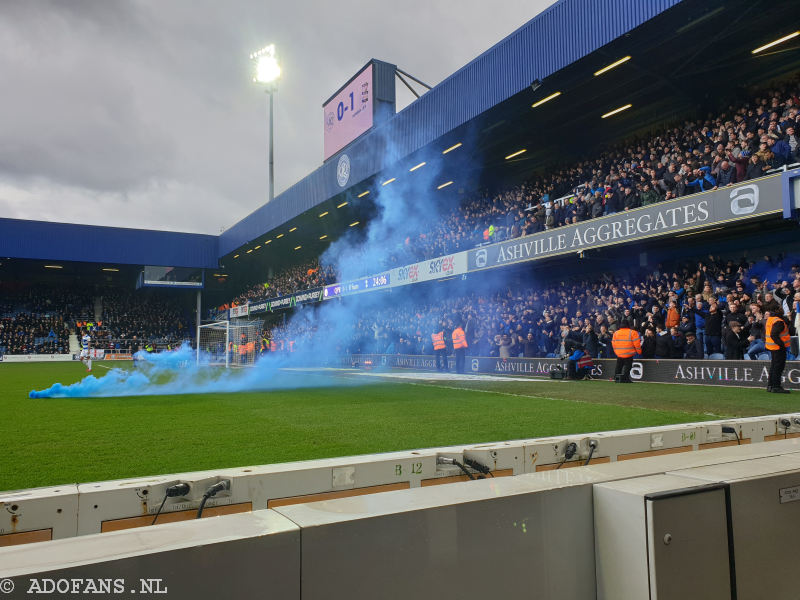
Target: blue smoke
<point>402,210</point>
<point>178,373</point>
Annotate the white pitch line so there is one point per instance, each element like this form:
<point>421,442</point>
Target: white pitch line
<point>435,376</point>
<point>635,406</point>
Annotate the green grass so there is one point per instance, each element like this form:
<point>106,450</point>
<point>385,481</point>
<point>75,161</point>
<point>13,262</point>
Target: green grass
<point>56,441</point>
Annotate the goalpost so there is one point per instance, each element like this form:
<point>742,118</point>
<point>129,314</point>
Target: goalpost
<point>229,343</point>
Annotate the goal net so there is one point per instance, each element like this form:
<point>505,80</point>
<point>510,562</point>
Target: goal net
<point>228,343</point>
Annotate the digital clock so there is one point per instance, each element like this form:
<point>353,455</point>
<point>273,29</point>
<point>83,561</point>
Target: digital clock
<point>379,280</point>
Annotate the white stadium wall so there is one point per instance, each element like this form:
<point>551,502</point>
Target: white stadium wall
<point>400,524</point>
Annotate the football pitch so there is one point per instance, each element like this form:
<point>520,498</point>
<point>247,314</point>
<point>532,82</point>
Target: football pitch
<point>52,441</point>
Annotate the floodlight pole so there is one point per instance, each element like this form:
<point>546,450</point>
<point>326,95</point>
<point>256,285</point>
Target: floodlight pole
<point>267,72</point>
<point>270,89</point>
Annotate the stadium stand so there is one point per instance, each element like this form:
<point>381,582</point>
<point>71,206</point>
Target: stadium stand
<point>685,302</point>
<point>740,143</point>
<point>702,298</point>
<point>130,319</point>
<point>299,277</point>
<point>39,319</point>
<point>737,144</point>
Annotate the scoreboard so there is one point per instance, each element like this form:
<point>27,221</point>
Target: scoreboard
<point>364,101</point>
<point>349,113</point>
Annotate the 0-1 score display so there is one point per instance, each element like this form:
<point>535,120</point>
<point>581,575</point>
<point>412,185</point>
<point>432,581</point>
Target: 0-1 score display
<point>349,113</point>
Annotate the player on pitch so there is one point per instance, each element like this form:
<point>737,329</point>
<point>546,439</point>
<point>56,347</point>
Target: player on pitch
<point>86,344</point>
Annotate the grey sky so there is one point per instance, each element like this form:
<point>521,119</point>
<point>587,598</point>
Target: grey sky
<point>142,113</point>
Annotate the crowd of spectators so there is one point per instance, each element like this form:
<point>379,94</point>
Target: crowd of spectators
<point>39,319</point>
<point>739,143</point>
<point>713,307</point>
<point>36,319</point>
<point>292,279</point>
<point>32,333</point>
<point>131,319</point>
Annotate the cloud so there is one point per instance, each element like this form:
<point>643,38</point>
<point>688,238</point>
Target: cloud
<point>149,104</point>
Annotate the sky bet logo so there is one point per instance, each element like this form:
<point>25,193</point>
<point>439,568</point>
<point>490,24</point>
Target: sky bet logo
<point>441,265</point>
<point>409,273</point>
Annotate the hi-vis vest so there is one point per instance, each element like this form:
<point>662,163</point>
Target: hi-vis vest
<point>438,340</point>
<point>772,344</point>
<point>584,361</point>
<point>626,343</point>
<point>459,338</point>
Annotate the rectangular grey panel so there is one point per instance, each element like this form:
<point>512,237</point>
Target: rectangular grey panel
<point>635,558</point>
<point>470,540</point>
<point>765,529</point>
<point>688,543</point>
<point>237,556</point>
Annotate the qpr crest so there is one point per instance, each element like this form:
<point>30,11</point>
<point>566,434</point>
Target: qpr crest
<point>343,170</point>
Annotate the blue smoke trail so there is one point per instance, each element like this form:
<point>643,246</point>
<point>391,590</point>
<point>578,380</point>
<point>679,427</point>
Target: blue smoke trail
<point>178,373</point>
<point>402,211</point>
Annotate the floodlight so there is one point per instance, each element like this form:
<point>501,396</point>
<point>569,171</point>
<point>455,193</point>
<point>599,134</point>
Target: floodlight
<point>267,67</point>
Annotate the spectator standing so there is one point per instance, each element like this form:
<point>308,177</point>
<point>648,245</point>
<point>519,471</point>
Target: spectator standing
<point>649,343</point>
<point>726,174</point>
<point>604,342</point>
<point>735,342</point>
<point>664,342</point>
<point>590,341</point>
<point>777,342</point>
<point>713,332</point>
<point>694,349</point>
<point>678,344</point>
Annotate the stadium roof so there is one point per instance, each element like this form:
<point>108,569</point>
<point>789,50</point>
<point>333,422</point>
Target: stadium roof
<point>685,54</point>
<point>40,240</point>
<point>536,50</point>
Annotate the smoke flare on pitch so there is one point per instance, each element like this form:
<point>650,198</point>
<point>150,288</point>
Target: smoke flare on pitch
<point>178,373</point>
